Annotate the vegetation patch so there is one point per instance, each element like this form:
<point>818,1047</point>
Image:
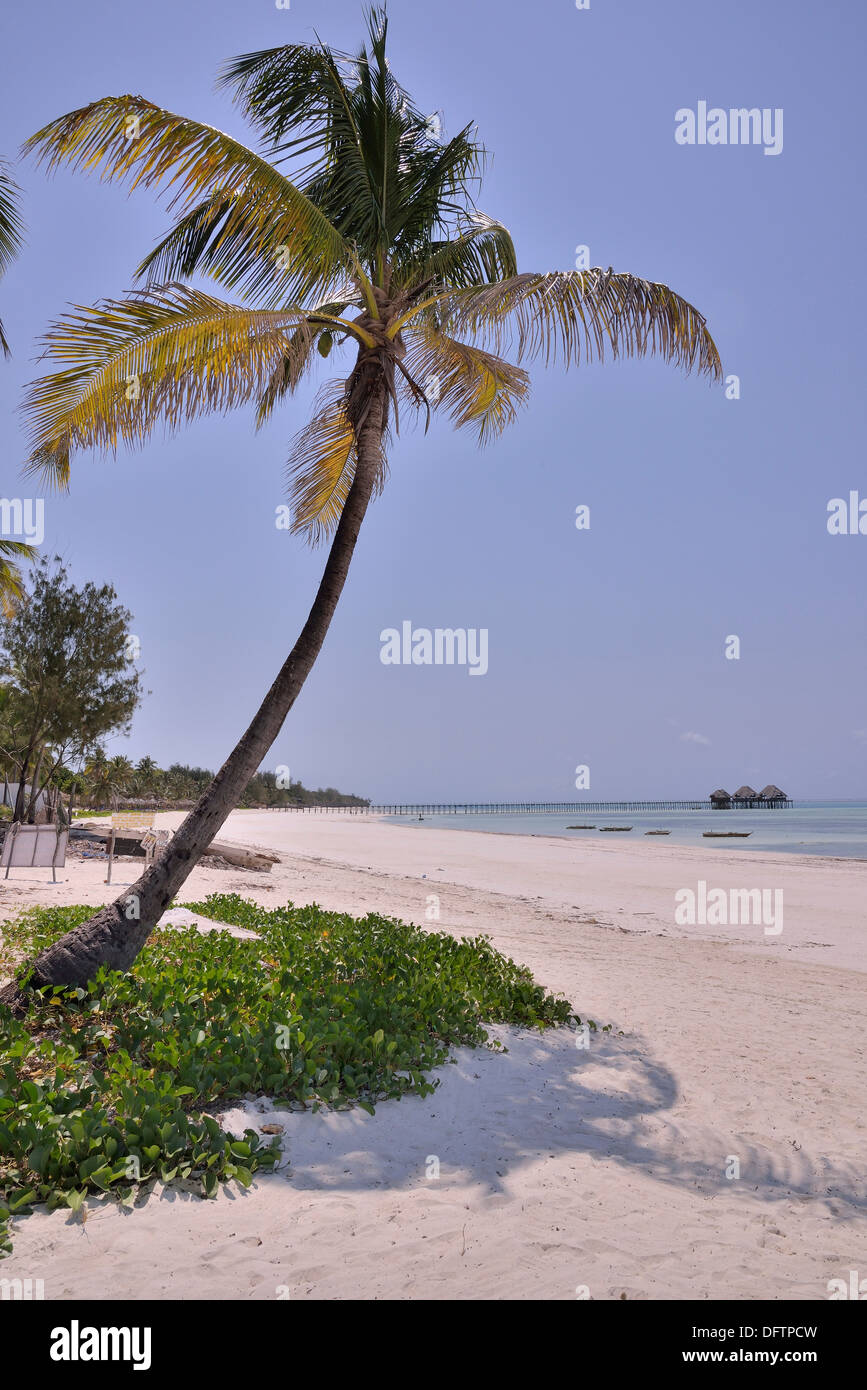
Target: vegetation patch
<point>107,1090</point>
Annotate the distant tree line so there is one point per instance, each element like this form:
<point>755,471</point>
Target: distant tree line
<point>107,782</point>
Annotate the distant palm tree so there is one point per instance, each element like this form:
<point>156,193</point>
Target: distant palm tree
<point>376,244</point>
<point>100,780</point>
<point>181,785</point>
<point>149,777</point>
<point>122,774</point>
<point>11,230</point>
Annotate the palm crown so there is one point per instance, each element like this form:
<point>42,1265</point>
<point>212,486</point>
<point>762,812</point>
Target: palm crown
<point>375,241</point>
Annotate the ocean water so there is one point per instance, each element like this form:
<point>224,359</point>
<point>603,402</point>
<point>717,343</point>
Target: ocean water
<point>838,829</point>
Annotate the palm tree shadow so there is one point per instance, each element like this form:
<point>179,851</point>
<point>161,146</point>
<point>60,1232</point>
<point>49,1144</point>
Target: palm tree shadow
<point>494,1112</point>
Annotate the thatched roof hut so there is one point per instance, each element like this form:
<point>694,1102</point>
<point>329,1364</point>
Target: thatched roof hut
<point>773,793</point>
<point>745,794</point>
<point>720,797</point>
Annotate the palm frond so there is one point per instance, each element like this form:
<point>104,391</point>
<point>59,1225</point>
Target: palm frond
<point>11,579</point>
<point>474,386</point>
<point>169,354</point>
<point>433,197</point>
<point>482,254</point>
<point>236,237</point>
<point>321,466</point>
<point>11,231</point>
<point>578,315</point>
<point>252,212</point>
<point>11,225</point>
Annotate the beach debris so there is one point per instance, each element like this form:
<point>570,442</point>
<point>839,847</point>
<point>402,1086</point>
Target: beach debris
<point>228,855</point>
<point>216,861</point>
<point>242,857</point>
<point>271,1129</point>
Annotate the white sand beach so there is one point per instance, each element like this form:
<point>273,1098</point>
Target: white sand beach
<point>563,1172</point>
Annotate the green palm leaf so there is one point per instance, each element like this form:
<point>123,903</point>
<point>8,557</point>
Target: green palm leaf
<point>11,231</point>
<point>481,255</point>
<point>322,465</point>
<point>169,354</point>
<point>11,579</point>
<point>474,386</point>
<point>255,214</point>
<point>576,316</point>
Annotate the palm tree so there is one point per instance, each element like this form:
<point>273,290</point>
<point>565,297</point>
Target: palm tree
<point>122,774</point>
<point>100,779</point>
<point>180,783</point>
<point>149,777</point>
<point>375,244</point>
<point>11,231</point>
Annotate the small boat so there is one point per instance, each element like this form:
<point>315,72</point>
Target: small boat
<point>580,827</point>
<point>603,828</point>
<point>726,834</point>
<point>657,832</point>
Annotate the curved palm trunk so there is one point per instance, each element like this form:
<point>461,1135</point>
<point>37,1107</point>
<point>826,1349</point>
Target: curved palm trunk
<point>117,933</point>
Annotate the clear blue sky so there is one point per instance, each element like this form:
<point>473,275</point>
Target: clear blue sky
<point>708,516</point>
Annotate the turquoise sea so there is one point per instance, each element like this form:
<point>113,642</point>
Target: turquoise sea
<point>838,829</point>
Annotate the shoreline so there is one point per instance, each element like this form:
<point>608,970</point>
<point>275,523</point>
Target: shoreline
<point>672,844</point>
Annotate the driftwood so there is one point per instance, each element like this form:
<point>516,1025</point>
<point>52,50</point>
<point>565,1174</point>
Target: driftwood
<point>129,842</point>
<point>243,857</point>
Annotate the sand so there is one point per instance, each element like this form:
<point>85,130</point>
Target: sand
<point>563,1171</point>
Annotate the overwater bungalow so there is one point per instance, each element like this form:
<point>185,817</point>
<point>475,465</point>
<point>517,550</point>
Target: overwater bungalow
<point>772,796</point>
<point>746,798</point>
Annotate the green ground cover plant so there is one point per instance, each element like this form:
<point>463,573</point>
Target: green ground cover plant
<point>107,1089</point>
